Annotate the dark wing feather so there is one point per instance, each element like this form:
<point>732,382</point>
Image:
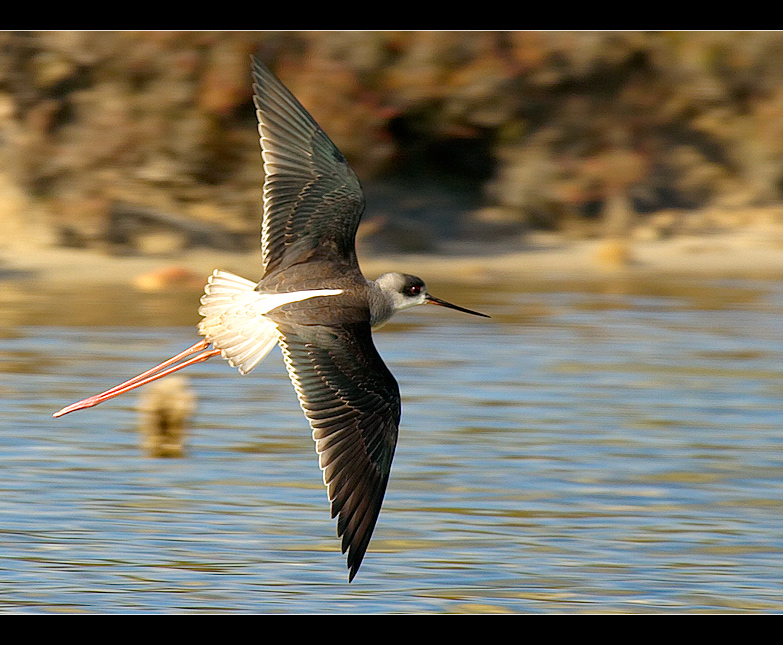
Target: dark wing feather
<point>312,199</point>
<point>353,405</point>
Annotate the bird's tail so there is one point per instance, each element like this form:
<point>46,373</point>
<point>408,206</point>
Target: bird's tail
<point>234,322</point>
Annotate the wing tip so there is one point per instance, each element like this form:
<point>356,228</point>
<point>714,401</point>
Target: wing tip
<point>358,527</point>
<point>355,559</point>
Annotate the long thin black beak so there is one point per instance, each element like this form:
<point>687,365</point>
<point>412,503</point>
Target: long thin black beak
<point>432,300</point>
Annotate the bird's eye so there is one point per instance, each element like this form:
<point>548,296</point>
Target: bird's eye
<point>414,290</point>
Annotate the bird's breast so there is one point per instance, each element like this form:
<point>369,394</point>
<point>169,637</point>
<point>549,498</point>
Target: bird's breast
<point>328,296</point>
<point>321,307</point>
<point>274,301</point>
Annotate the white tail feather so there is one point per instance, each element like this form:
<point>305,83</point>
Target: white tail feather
<point>234,320</point>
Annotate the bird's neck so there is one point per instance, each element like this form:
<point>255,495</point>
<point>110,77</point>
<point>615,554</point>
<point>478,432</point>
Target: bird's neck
<point>381,308</point>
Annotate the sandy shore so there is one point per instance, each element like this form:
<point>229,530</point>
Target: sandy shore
<point>542,257</point>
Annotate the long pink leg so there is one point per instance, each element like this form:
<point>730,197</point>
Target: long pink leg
<point>159,371</point>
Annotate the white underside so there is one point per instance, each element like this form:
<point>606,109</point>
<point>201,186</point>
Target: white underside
<point>234,320</point>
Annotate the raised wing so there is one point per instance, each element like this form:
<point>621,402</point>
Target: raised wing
<point>312,199</point>
<point>353,405</point>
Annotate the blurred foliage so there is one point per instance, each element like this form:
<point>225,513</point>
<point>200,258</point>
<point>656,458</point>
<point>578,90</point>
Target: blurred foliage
<point>547,128</point>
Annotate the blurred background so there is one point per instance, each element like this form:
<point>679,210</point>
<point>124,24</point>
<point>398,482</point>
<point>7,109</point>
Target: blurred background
<point>608,442</point>
<point>145,142</point>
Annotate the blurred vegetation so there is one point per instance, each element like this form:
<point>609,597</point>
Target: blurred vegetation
<point>105,133</point>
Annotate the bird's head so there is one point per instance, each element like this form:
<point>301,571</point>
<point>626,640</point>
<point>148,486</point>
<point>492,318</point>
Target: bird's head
<point>408,291</point>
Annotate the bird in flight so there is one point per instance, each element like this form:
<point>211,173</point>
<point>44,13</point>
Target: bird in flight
<point>315,303</point>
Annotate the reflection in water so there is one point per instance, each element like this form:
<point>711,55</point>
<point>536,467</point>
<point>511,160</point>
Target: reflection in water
<point>165,408</point>
<point>593,447</point>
